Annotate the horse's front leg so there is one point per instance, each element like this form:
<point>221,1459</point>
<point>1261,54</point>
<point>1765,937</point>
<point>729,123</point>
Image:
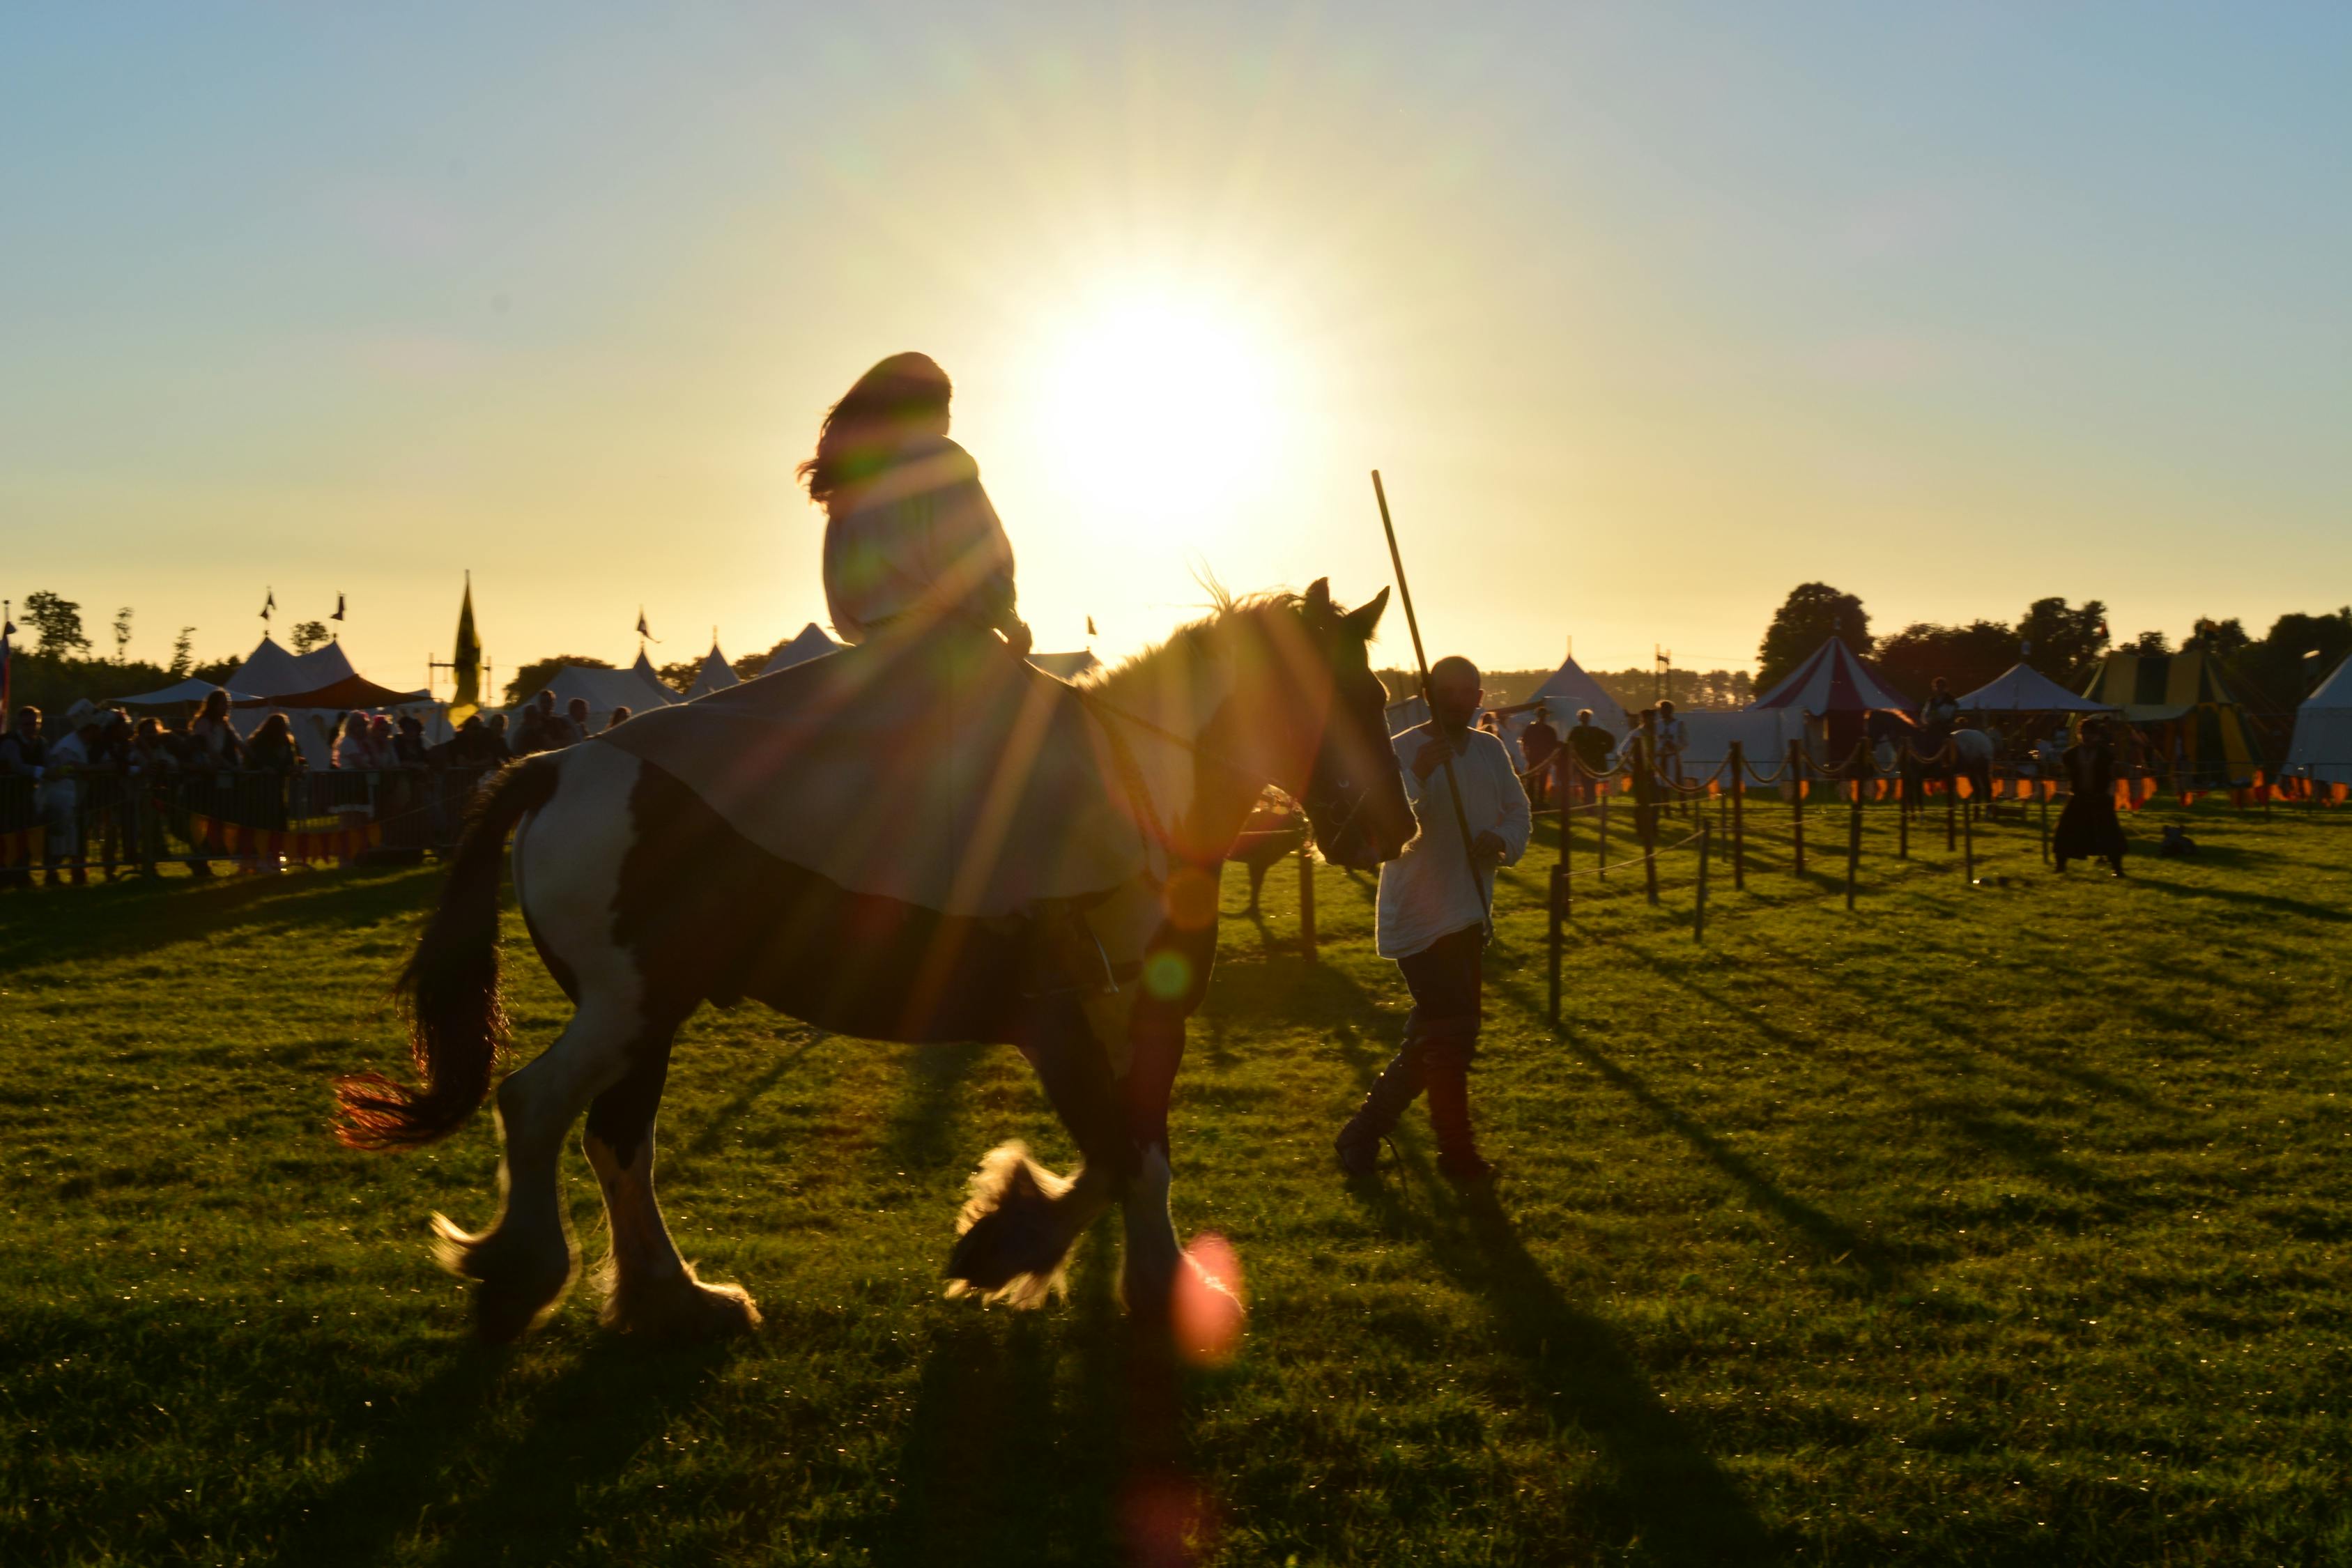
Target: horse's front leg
<point>648,1288</point>
<point>1156,1049</point>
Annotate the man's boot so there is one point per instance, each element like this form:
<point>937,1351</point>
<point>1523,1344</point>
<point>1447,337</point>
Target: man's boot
<point>1399,1084</point>
<point>1458,1159</point>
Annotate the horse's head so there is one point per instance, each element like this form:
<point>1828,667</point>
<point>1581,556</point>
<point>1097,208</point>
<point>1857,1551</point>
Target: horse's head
<point>1340,766</point>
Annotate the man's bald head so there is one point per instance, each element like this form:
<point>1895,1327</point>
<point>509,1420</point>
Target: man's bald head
<point>1454,690</point>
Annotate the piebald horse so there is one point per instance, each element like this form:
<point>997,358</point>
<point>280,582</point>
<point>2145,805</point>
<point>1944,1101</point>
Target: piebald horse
<point>644,904</point>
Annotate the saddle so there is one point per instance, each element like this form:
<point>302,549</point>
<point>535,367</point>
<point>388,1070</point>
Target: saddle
<point>935,768</point>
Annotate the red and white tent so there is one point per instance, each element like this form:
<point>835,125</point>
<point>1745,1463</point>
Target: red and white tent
<point>1834,681</point>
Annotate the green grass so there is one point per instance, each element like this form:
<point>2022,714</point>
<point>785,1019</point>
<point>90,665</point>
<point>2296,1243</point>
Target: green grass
<point>1995,1224</point>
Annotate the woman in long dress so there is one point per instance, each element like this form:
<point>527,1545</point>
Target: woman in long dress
<point>2087,828</point>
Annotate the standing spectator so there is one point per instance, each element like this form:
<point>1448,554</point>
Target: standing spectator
<point>409,744</point>
<point>620,716</point>
<point>213,738</point>
<point>1588,746</point>
<point>352,751</point>
<point>24,761</point>
<point>1538,743</point>
<point>1670,737</point>
<point>1432,921</point>
<point>475,745</point>
<point>496,726</point>
<point>273,759</point>
<point>576,714</point>
<point>2088,828</point>
<point>147,769</point>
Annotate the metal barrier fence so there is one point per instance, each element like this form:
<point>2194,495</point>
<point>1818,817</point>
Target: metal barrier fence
<point>118,821</point>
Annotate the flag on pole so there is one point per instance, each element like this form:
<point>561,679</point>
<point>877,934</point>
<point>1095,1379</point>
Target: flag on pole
<point>269,603</point>
<point>643,630</point>
<point>8,657</point>
<point>466,663</point>
<point>338,609</point>
<point>1090,628</point>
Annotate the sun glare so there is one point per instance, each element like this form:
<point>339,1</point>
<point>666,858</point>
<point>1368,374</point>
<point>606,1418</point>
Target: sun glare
<point>1167,404</point>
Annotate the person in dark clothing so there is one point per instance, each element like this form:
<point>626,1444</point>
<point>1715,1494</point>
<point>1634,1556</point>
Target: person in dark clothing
<point>2087,828</point>
<point>477,745</point>
<point>23,756</point>
<point>408,745</point>
<point>1589,745</point>
<point>1539,743</point>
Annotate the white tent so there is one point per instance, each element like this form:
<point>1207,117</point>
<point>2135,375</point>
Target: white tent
<point>188,690</point>
<point>1566,689</point>
<point>810,643</point>
<point>637,689</point>
<point>2322,749</point>
<point>715,675</point>
<point>2024,690</point>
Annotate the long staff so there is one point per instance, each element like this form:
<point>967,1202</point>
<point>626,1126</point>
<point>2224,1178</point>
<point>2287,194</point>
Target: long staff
<point>1429,700</point>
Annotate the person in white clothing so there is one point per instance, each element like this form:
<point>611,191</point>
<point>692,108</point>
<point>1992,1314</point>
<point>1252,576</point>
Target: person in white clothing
<point>1433,920</point>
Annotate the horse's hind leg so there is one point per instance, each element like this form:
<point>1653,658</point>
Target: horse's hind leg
<point>648,1288</point>
<point>523,1262</point>
<point>1021,1220</point>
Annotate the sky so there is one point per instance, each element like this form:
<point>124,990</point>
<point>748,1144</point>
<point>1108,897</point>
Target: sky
<point>1646,312</point>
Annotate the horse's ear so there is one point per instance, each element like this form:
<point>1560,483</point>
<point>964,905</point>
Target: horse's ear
<point>1318,594</point>
<point>1366,617</point>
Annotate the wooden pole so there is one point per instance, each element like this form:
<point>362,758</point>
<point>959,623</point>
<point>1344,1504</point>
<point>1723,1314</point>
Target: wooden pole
<point>1905,769</point>
<point>1600,865</point>
<point>1797,799</point>
<point>1306,902</point>
<point>1861,770</point>
<point>2043,787</point>
<point>1645,811</point>
<point>1551,940</point>
<point>1738,816</point>
<point>1968,849</point>
<point>1698,912</point>
<point>1951,809</point>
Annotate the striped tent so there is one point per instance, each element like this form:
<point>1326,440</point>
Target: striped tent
<point>2181,699</point>
<point>1837,688</point>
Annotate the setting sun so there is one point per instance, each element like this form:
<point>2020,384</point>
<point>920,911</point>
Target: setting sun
<point>1165,402</point>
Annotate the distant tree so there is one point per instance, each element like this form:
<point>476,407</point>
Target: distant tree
<point>679,676</point>
<point>183,654</point>
<point>2278,671</point>
<point>58,623</point>
<point>2061,642</point>
<point>216,671</point>
<point>1811,614</point>
<point>539,672</point>
<point>2224,639</point>
<point>1966,656</point>
<point>2150,643</point>
<point>309,634</point>
<point>122,635</point>
<point>751,666</point>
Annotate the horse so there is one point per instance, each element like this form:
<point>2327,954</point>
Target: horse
<point>643,903</point>
<point>1274,832</point>
<point>1960,753</point>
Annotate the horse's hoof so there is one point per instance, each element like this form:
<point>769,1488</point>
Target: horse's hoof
<point>682,1307</point>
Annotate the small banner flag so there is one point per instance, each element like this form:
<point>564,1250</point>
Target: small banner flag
<point>339,608</point>
<point>1090,628</point>
<point>269,603</point>
<point>643,630</point>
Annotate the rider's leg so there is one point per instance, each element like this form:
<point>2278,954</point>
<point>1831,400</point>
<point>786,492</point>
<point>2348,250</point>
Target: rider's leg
<point>648,1288</point>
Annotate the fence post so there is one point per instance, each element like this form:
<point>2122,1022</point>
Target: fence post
<point>1738,824</point>
<point>1645,812</point>
<point>2045,788</point>
<point>1968,849</point>
<point>1557,908</point>
<point>1797,799</point>
<point>1904,769</point>
<point>1600,863</point>
<point>1306,902</point>
<point>1853,827</point>
<point>1951,809</point>
<point>1698,912</point>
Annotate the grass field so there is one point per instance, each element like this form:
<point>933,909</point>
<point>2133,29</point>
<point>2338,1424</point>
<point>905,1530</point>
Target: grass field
<point>1995,1224</point>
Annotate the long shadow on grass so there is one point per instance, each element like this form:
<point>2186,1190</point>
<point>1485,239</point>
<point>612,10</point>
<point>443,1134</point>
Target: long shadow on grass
<point>2266,903</point>
<point>937,1077</point>
<point>1660,1489</point>
<point>137,917</point>
<point>491,1500</point>
<point>991,1471</point>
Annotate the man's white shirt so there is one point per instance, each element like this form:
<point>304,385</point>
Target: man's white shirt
<point>1425,892</point>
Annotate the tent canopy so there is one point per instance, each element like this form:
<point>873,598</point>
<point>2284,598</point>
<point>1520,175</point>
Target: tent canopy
<point>1068,665</point>
<point>1567,689</point>
<point>2322,749</point>
<point>715,675</point>
<point>1834,680</point>
<point>188,690</point>
<point>2024,690</point>
<point>809,643</point>
<point>637,689</point>
<point>2151,688</point>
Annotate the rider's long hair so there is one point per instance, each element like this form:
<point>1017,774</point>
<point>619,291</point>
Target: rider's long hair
<point>903,393</point>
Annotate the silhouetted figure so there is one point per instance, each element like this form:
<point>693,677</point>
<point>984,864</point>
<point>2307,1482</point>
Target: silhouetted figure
<point>1432,921</point>
<point>1589,745</point>
<point>2088,828</point>
<point>1539,744</point>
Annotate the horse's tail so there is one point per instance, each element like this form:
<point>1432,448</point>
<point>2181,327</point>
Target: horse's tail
<point>457,1025</point>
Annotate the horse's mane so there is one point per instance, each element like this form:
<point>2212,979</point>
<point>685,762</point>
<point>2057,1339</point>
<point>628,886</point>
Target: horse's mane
<point>1194,640</point>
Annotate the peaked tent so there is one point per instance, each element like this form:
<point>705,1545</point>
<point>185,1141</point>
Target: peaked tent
<point>1566,689</point>
<point>637,689</point>
<point>1837,687</point>
<point>323,678</point>
<point>810,643</point>
<point>2024,690</point>
<point>2190,713</point>
<point>715,675</point>
<point>2322,750</point>
<point>188,690</point>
